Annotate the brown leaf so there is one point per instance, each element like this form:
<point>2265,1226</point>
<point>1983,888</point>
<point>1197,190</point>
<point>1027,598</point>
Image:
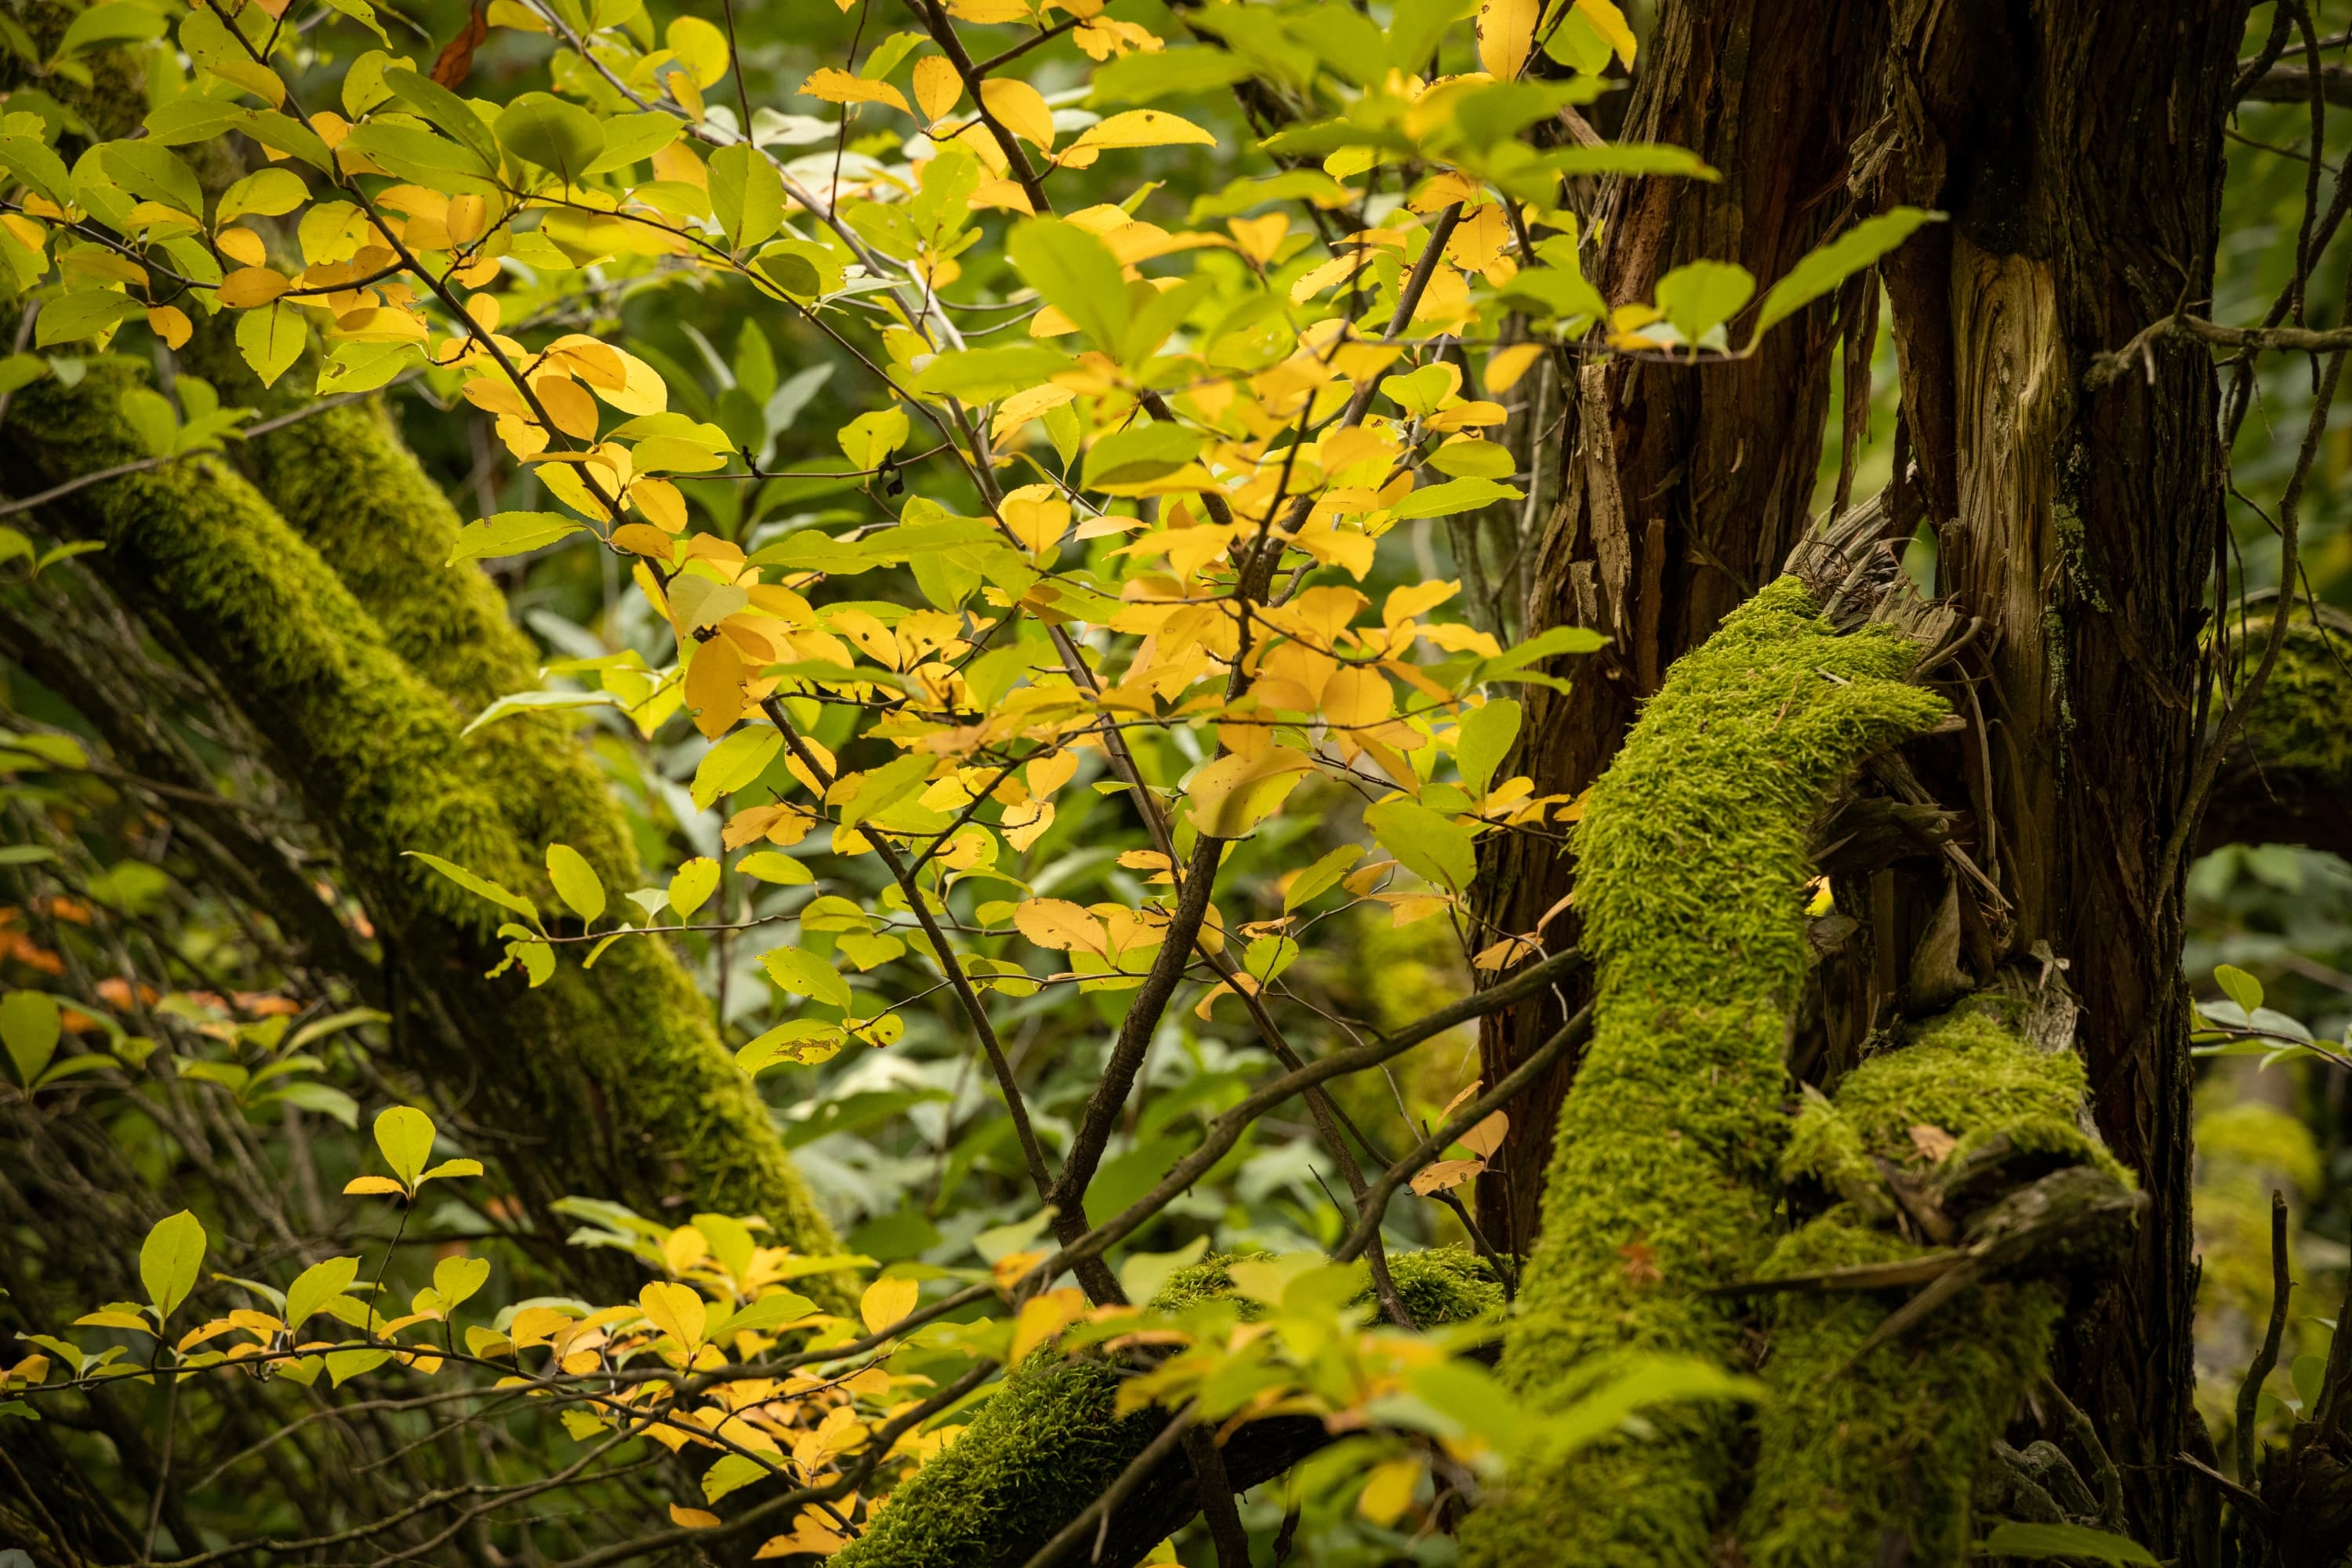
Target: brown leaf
<point>1487,1136</point>
<point>1933,1142</point>
<point>457,59</point>
<point>1640,1263</point>
<point>1445,1174</point>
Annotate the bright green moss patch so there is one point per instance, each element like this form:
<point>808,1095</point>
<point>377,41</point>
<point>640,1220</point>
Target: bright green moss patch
<point>1963,1074</point>
<point>1876,1463</point>
<point>1692,865</point>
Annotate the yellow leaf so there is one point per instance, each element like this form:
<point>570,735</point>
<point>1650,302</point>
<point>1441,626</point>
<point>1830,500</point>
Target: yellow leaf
<point>1389,1491</point>
<point>1046,774</point>
<point>1020,109</point>
<point>170,323</point>
<point>1041,1318</point>
<point>676,1311</point>
<point>1357,696</point>
<point>700,47</point>
<point>1504,366</point>
<point>1140,128</point>
<point>1037,524</point>
<point>937,87</point>
<point>249,286</point>
<point>691,1518</point>
<point>1232,795</point>
<point>242,245</point>
<point>1610,22</point>
<point>836,86</point>
<point>368,1187</point>
<point>1507,32</point>
<point>885,1301</point>
<point>1061,925</point>
<point>1260,238</point>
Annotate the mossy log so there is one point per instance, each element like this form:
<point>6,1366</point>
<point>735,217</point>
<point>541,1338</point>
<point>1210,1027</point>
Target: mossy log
<point>1049,1443</point>
<point>612,1082</point>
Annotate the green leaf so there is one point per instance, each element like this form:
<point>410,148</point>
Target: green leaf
<point>1700,296</point>
<point>870,437</point>
<point>119,22</point>
<point>775,866</point>
<point>734,762</point>
<point>1486,739</point>
<point>511,533</point>
<point>767,1313</point>
<point>633,138</point>
<point>344,1365</point>
<point>33,162</point>
<point>456,1279</point>
<point>803,973</point>
<point>691,888</point>
<point>1454,495</point>
<point>576,882</point>
<point>362,13</point>
<point>800,267</point>
<point>804,1042</point>
<point>982,376</point>
<point>168,1261</point>
<point>1831,265</point>
<point>271,193</point>
<point>271,339</point>
<point>425,159</point>
<point>2040,1541</point>
<point>314,1285</point>
<point>84,314</point>
<point>2239,987</point>
<point>156,173</point>
<point>1076,272</point>
<point>365,367</point>
<point>747,197</point>
<point>480,886</point>
<point>1321,876</point>
<point>1433,845</point>
<point>30,1027</point>
<point>542,128</point>
<point>1142,78</point>
<point>1550,643</point>
<point>406,1135</point>
<point>1141,453</point>
<point>881,788</point>
<point>731,1472</point>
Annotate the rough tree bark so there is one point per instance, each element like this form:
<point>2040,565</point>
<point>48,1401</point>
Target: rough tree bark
<point>1682,489</point>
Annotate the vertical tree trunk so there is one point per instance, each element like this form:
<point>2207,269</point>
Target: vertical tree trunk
<point>1683,488</point>
<point>2078,148</point>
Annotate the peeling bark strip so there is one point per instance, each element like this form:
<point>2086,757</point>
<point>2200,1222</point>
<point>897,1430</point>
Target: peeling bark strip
<point>1682,489</point>
<point>616,1075</point>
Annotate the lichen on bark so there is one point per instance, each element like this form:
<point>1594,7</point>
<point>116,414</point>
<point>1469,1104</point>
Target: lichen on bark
<point>616,1075</point>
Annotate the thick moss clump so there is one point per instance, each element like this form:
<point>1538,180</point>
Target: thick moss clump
<point>1692,868</point>
<point>1964,1075</point>
<point>1857,1460</point>
<point>1048,1443</point>
<point>616,1076</point>
<point>1875,1462</point>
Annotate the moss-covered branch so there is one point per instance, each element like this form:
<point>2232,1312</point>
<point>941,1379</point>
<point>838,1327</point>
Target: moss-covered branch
<point>614,1081</point>
<point>1048,1444</point>
<point>2288,779</point>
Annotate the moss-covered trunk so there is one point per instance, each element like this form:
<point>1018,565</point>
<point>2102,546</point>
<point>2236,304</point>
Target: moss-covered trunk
<point>1681,492</point>
<point>611,1082</point>
<point>2078,147</point>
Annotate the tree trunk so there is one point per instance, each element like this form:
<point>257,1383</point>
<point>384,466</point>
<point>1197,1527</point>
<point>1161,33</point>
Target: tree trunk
<point>1683,488</point>
<point>2078,149</point>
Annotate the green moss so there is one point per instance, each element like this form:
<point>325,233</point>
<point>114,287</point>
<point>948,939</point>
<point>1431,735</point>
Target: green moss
<point>1964,1074</point>
<point>2302,723</point>
<point>616,1075</point>
<point>1048,1443</point>
<point>1875,1462</point>
<point>1690,877</point>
